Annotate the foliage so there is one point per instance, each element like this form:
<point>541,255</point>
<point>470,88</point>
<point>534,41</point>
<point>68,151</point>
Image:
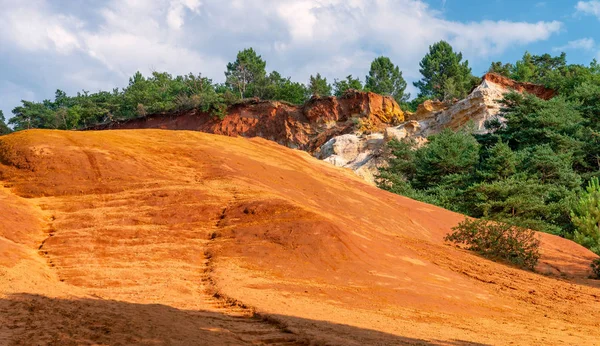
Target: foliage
<point>539,69</point>
<point>445,76</point>
<point>341,86</point>
<point>498,241</point>
<point>160,92</point>
<point>501,69</point>
<point>246,75</point>
<point>33,115</point>
<point>4,129</point>
<point>447,153</point>
<point>529,170</point>
<point>586,217</point>
<point>385,78</point>
<point>318,86</point>
<point>283,89</point>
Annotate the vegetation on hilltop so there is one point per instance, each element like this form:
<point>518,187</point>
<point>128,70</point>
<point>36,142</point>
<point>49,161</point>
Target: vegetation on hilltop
<point>445,76</point>
<point>246,77</point>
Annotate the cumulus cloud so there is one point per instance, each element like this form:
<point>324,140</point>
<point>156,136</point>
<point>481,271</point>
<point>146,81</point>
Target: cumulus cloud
<point>589,7</point>
<point>583,43</point>
<point>102,43</point>
<point>176,13</point>
<point>26,26</point>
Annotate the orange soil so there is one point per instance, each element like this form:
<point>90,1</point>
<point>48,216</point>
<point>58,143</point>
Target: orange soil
<point>176,238</point>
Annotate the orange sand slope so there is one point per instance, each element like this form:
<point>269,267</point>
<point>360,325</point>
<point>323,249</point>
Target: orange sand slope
<point>178,238</point>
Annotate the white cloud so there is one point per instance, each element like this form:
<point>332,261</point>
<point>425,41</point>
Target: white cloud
<point>28,27</point>
<point>583,43</point>
<point>296,37</point>
<point>176,13</point>
<point>589,7</point>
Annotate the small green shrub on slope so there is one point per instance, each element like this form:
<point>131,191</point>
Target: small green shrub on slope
<point>498,241</point>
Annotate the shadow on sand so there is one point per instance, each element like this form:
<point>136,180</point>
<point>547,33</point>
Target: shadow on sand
<point>27,319</point>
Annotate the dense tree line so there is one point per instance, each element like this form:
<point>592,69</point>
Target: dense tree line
<point>528,171</point>
<point>246,77</point>
<point>445,76</point>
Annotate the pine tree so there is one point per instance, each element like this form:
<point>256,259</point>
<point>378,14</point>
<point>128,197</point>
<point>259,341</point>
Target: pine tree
<point>341,86</point>
<point>246,73</point>
<point>445,76</point>
<point>586,217</point>
<point>318,86</point>
<point>386,79</point>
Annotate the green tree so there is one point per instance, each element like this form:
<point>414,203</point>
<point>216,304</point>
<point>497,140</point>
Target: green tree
<point>445,76</point>
<point>531,121</point>
<point>341,86</point>
<point>246,75</point>
<point>283,89</point>
<point>386,79</point>
<point>4,129</point>
<point>539,69</point>
<point>501,69</point>
<point>446,153</point>
<point>318,86</point>
<point>546,65</point>
<point>586,217</point>
<point>500,162</point>
<point>524,70</point>
<point>31,115</point>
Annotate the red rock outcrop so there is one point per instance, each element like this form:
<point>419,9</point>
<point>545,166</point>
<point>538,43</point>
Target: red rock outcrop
<point>305,127</point>
<point>535,89</point>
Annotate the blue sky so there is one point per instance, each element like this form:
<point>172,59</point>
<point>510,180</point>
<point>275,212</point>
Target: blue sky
<point>91,45</point>
<point>579,23</point>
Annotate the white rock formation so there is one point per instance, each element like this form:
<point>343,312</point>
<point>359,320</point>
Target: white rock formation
<point>357,152</point>
<point>480,106</point>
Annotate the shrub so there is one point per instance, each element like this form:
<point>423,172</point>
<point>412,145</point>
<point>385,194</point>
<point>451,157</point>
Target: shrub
<point>596,267</point>
<point>498,241</point>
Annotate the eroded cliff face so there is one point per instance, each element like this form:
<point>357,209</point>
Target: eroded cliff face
<point>305,127</point>
<point>431,117</point>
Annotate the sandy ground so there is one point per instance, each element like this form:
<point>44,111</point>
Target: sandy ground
<point>153,237</point>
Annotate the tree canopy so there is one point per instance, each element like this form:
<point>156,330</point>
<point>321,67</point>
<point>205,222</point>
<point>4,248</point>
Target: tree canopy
<point>246,75</point>
<point>341,86</point>
<point>529,170</point>
<point>445,75</point>
<point>318,86</point>
<point>539,69</point>
<point>385,78</point>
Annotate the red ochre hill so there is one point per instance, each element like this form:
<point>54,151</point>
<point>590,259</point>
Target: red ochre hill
<point>152,237</point>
